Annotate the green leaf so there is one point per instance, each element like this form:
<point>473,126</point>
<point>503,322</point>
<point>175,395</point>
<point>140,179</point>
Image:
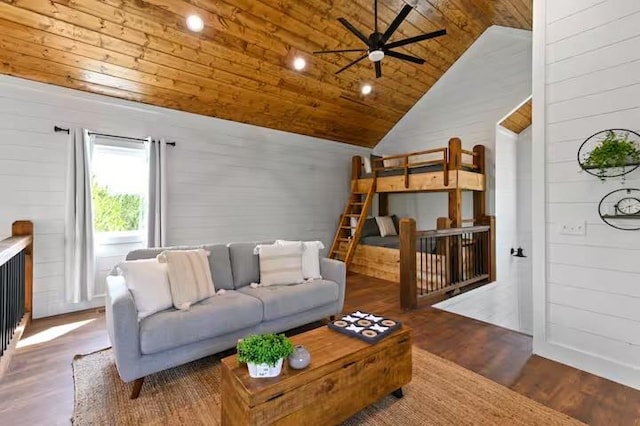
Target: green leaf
<point>264,348</point>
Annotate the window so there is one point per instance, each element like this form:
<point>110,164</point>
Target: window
<point>119,189</point>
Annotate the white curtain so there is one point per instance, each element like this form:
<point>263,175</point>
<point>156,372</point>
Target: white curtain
<point>156,223</point>
<point>79,250</point>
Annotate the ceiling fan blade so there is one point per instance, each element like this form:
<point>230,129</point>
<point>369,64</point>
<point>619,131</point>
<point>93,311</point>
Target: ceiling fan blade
<point>378,69</point>
<point>404,57</point>
<point>415,39</point>
<point>339,51</point>
<point>351,64</point>
<point>354,30</point>
<point>396,23</point>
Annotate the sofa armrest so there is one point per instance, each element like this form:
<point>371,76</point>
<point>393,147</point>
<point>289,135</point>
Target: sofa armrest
<point>336,271</point>
<point>122,325</point>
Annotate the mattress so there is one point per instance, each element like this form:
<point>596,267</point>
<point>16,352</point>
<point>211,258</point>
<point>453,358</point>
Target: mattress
<point>393,241</point>
<point>412,171</point>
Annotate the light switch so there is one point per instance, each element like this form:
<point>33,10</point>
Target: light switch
<point>573,228</point>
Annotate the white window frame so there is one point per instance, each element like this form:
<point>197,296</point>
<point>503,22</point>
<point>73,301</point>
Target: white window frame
<point>124,237</point>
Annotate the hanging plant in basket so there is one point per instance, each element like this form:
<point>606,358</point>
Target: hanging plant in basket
<point>610,153</point>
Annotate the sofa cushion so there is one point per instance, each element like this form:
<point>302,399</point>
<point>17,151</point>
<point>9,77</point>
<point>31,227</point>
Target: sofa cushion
<point>281,301</point>
<point>220,264</point>
<point>212,317</point>
<point>245,265</point>
<point>219,261</point>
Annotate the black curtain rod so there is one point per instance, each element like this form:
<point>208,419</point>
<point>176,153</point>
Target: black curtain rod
<point>60,129</point>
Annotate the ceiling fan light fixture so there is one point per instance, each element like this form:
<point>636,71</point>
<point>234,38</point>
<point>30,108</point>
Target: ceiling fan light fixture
<point>376,55</point>
<point>299,63</point>
<point>366,89</point>
<point>195,23</point>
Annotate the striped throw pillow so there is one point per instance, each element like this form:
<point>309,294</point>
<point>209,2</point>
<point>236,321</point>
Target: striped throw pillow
<point>386,226</point>
<point>189,276</point>
<point>280,264</point>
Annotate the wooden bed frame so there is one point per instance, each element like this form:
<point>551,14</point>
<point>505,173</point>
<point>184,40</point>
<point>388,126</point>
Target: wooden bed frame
<point>460,170</point>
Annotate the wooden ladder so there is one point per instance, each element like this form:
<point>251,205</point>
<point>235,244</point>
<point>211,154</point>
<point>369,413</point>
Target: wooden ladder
<point>358,206</point>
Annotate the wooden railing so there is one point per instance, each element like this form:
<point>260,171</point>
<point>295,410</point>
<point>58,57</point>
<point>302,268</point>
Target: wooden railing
<point>414,160</point>
<point>444,260</point>
<point>16,288</point>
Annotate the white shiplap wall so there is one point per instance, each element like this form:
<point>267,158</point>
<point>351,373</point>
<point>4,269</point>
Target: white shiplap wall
<point>591,302</point>
<point>490,79</point>
<point>227,181</point>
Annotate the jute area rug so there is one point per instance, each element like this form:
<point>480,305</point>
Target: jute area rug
<point>441,393</point>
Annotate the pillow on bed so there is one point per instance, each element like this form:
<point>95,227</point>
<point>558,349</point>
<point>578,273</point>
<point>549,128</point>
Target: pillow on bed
<point>393,162</point>
<point>375,163</point>
<point>367,165</point>
<point>396,223</point>
<point>370,228</point>
<point>386,226</point>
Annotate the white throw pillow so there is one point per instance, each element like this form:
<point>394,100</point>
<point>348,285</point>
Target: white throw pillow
<point>367,165</point>
<point>189,276</point>
<point>393,162</point>
<point>148,282</point>
<point>310,257</point>
<point>280,264</point>
<point>386,226</point>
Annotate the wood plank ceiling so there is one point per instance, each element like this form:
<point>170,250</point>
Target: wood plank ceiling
<point>520,119</point>
<point>240,67</point>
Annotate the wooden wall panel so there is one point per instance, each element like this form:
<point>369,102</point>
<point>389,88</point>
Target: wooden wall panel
<point>228,182</point>
<point>239,67</point>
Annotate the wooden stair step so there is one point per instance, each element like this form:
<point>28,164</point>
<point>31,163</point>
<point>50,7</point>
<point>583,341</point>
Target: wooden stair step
<point>340,253</point>
<point>346,240</point>
<point>354,215</point>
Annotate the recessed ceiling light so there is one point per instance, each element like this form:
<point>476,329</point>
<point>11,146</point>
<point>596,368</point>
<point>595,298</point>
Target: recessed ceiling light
<point>366,89</point>
<point>195,23</point>
<point>299,64</point>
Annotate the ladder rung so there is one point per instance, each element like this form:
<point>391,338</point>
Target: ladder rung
<point>357,204</point>
<point>346,240</point>
<point>340,253</point>
<point>353,215</point>
<point>345,227</point>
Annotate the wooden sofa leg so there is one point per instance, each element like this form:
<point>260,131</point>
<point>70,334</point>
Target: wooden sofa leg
<point>137,386</point>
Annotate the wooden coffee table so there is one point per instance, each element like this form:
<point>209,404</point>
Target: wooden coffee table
<point>345,376</point>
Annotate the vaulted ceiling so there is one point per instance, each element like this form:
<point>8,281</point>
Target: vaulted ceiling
<point>240,67</point>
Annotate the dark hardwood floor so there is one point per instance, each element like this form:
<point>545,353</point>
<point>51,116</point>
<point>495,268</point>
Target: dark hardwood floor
<point>38,389</point>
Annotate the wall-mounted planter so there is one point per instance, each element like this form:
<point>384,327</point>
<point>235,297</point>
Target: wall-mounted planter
<point>610,153</point>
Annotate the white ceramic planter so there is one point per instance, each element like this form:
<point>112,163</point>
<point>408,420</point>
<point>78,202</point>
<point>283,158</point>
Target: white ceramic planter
<point>264,370</point>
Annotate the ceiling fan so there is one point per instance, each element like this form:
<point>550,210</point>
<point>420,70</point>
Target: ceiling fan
<point>377,46</point>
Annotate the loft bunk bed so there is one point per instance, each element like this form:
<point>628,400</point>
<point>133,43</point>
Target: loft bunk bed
<point>457,253</point>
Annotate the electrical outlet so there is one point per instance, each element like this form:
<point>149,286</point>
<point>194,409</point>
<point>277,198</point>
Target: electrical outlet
<point>573,228</point>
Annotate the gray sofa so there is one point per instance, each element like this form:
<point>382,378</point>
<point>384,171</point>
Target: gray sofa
<point>170,338</point>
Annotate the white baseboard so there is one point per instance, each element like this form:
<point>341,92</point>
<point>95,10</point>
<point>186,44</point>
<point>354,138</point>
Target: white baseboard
<point>591,363</point>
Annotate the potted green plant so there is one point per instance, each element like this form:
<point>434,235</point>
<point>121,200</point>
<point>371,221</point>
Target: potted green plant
<point>614,150</point>
<point>264,353</point>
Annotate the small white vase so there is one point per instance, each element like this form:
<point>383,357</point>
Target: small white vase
<point>265,370</point>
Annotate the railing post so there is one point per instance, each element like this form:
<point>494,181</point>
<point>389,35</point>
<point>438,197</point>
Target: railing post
<point>356,167</point>
<point>24,228</point>
<point>408,290</point>
<point>490,250</point>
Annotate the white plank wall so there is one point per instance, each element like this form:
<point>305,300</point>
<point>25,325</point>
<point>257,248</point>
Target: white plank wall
<point>227,181</point>
<point>490,79</point>
<point>592,84</point>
